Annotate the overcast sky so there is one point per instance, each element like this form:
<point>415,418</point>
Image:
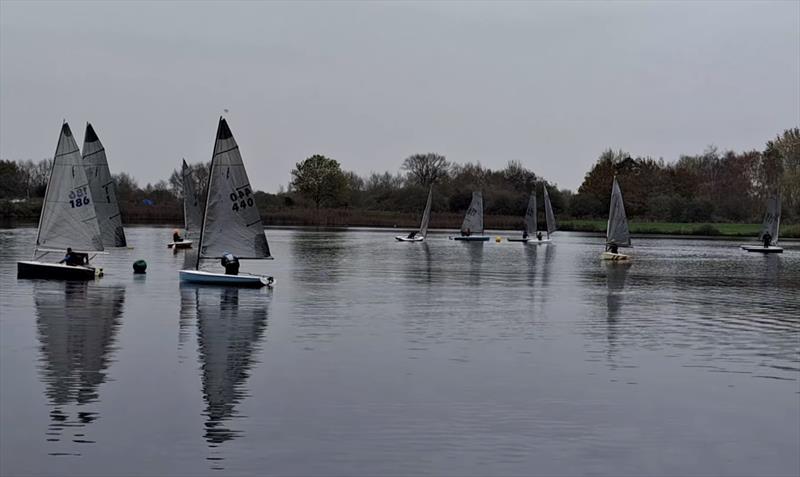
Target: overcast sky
<point>549,84</point>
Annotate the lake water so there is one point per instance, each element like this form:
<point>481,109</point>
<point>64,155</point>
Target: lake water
<point>376,357</point>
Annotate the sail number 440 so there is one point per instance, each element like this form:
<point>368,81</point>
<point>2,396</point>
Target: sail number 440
<point>78,197</point>
<point>242,199</point>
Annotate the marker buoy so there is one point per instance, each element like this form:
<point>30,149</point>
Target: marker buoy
<point>139,266</point>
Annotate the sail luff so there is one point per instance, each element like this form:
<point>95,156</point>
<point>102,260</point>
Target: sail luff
<point>548,212</point>
<point>426,215</point>
<point>530,216</point>
<point>772,220</point>
<point>617,232</point>
<point>208,192</point>
<point>104,191</point>
<point>46,195</point>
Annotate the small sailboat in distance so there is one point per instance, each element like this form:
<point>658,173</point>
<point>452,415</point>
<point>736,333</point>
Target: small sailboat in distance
<point>231,221</point>
<point>617,233</point>
<point>68,219</point>
<point>421,234</point>
<point>473,221</point>
<point>192,210</point>
<point>104,190</point>
<point>550,218</point>
<point>770,228</point>
<point>530,226</point>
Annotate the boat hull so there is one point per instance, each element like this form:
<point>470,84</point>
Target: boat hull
<point>472,238</point>
<point>180,245</point>
<point>762,249</point>
<point>527,240</point>
<point>614,256</point>
<point>404,238</point>
<point>56,271</point>
<point>221,279</point>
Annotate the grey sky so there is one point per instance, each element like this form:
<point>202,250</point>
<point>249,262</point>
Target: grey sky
<point>548,84</point>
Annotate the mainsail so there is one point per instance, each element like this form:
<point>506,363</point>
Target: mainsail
<point>68,217</point>
<point>530,216</point>
<point>772,220</point>
<point>104,191</point>
<point>473,220</point>
<point>617,232</point>
<point>426,216</point>
<point>192,210</point>
<point>231,222</point>
<point>548,213</point>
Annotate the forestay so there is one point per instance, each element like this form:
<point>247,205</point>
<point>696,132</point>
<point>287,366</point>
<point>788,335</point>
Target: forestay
<point>473,220</point>
<point>232,222</point>
<point>68,217</point>
<point>104,191</point>
<point>548,213</point>
<point>772,220</point>
<point>426,215</point>
<point>530,216</point>
<point>192,211</point>
<point>617,232</point>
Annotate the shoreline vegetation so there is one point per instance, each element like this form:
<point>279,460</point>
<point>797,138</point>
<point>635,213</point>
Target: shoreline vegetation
<point>28,213</point>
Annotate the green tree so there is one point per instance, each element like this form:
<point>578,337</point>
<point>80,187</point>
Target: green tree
<point>321,180</point>
<point>426,169</point>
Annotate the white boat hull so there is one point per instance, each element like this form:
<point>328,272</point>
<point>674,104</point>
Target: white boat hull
<point>762,249</point>
<point>241,280</point>
<point>179,245</point>
<point>56,271</point>
<point>528,240</point>
<point>471,238</point>
<point>614,256</point>
<point>404,238</point>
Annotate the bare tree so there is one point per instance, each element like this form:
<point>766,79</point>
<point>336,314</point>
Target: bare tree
<point>425,169</point>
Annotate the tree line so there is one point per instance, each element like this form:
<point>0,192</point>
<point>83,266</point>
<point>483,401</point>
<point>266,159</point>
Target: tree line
<point>712,186</point>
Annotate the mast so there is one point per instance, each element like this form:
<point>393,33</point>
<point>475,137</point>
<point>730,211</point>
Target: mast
<point>208,194</point>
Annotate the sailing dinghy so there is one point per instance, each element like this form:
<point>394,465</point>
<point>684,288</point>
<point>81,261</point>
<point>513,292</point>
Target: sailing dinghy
<point>68,218</point>
<point>473,222</point>
<point>550,218</point>
<point>771,226</point>
<point>617,233</point>
<point>530,222</point>
<point>422,233</point>
<point>103,189</point>
<point>192,213</point>
<point>231,221</point>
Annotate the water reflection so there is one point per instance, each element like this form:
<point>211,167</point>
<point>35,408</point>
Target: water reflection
<point>77,323</point>
<point>616,274</point>
<point>230,326</point>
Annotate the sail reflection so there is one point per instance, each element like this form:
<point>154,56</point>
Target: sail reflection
<point>616,275</point>
<point>230,325</point>
<point>77,324</point>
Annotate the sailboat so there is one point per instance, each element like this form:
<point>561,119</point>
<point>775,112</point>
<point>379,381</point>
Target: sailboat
<point>231,221</point>
<point>771,227</point>
<point>550,218</point>
<point>617,233</point>
<point>68,218</point>
<point>530,222</point>
<point>192,211</point>
<point>422,233</point>
<point>103,189</point>
<point>473,221</point>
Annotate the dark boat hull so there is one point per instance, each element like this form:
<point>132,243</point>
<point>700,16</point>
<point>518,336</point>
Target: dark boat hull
<point>54,271</point>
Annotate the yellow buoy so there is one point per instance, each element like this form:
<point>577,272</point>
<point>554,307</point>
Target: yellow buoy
<point>498,239</point>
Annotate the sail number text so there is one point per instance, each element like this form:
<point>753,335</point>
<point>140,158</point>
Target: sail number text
<point>242,198</point>
<point>78,197</point>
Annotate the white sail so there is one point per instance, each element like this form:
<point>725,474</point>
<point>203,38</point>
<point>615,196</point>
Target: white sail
<point>473,220</point>
<point>772,220</point>
<point>104,191</point>
<point>548,213</point>
<point>68,216</point>
<point>231,222</point>
<point>426,216</point>
<point>530,216</point>
<point>617,232</point>
<point>192,210</point>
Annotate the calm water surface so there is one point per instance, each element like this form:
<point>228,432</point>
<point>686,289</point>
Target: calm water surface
<point>377,357</point>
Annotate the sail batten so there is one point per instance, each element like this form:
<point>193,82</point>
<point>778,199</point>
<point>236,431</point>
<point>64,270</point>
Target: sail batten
<point>530,215</point>
<point>104,190</point>
<point>772,220</point>
<point>473,219</point>
<point>68,217</point>
<point>617,232</point>
<point>548,212</point>
<point>426,215</point>
<point>232,223</point>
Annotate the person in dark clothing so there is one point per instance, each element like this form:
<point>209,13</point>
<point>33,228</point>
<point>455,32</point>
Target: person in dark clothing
<point>524,234</point>
<point>412,234</point>
<point>612,247</point>
<point>176,236</point>
<point>767,238</point>
<point>73,259</point>
<point>231,263</point>
<point>539,236</point>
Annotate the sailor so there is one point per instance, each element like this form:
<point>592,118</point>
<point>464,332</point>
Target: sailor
<point>524,234</point>
<point>466,233</point>
<point>767,238</point>
<point>176,236</point>
<point>612,247</point>
<point>231,263</point>
<point>72,259</point>
<point>412,234</point>
<point>539,236</point>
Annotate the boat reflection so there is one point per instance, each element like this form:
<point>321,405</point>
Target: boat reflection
<point>77,323</point>
<point>616,275</point>
<point>230,326</point>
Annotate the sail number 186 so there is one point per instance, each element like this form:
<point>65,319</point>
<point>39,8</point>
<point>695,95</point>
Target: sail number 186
<point>78,197</point>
